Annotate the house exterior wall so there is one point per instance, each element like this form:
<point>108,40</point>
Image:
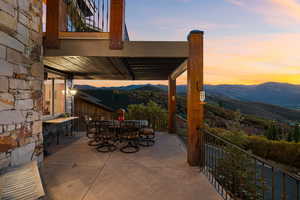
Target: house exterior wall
<point>21,78</point>
<point>83,107</point>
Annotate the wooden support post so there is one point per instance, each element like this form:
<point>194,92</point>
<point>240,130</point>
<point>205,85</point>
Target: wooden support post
<point>172,106</point>
<point>195,109</point>
<point>117,24</point>
<point>56,21</point>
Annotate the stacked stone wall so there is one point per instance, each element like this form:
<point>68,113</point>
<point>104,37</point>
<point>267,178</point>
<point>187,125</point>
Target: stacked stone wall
<point>21,79</point>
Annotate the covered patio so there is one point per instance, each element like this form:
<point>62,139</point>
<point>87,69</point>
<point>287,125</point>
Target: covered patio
<point>76,171</point>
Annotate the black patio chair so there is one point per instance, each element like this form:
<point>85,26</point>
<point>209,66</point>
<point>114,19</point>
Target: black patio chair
<point>147,135</point>
<point>130,134</point>
<point>92,132</point>
<point>107,137</point>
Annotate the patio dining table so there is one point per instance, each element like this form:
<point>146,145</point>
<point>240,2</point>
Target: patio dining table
<point>119,131</point>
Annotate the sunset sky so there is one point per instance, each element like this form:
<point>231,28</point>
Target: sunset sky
<point>246,41</point>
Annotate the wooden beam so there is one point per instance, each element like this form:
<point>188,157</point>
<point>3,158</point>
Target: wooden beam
<point>63,20</point>
<point>172,105</point>
<point>117,23</point>
<point>52,24</point>
<point>83,35</point>
<point>122,67</point>
<point>56,21</point>
<point>132,49</point>
<point>195,108</point>
<point>177,72</point>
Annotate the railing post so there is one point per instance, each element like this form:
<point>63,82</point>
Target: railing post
<point>55,22</point>
<point>172,105</point>
<point>195,109</point>
<point>117,24</point>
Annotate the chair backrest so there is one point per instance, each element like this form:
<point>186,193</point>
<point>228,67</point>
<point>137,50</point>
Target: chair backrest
<point>106,128</point>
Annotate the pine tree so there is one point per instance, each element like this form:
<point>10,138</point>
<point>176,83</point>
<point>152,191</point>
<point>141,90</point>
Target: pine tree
<point>290,136</point>
<point>297,134</point>
<point>271,133</point>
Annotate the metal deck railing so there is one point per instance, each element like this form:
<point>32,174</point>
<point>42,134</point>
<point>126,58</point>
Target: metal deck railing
<point>238,174</point>
<point>88,15</point>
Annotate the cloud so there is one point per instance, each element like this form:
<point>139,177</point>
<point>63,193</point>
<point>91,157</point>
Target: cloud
<point>276,12</point>
<point>236,2</point>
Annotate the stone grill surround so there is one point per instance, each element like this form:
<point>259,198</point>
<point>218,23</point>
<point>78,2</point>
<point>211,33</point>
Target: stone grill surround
<point>21,79</point>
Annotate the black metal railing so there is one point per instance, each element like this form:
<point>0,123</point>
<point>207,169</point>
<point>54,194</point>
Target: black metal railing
<point>159,123</point>
<point>88,15</point>
<point>238,174</point>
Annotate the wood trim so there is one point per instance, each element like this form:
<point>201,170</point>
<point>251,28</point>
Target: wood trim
<point>63,21</point>
<point>84,35</point>
<point>195,110</point>
<point>138,49</point>
<point>117,24</point>
<point>52,25</point>
<point>172,105</point>
<point>180,70</point>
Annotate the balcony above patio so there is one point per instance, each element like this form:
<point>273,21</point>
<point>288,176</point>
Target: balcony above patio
<point>72,48</point>
<point>93,59</point>
<point>76,171</point>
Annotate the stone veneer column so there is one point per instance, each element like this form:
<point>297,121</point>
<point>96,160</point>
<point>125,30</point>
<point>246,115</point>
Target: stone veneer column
<point>21,79</point>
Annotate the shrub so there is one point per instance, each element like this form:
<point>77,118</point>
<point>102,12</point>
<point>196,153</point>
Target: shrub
<point>156,115</point>
<point>287,153</point>
<point>284,152</point>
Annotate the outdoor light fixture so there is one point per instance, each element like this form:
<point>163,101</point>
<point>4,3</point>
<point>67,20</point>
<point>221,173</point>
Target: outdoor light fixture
<point>202,96</point>
<point>72,91</point>
<point>201,91</point>
<point>173,98</point>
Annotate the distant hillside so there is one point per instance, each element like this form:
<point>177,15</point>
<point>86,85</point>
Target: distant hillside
<point>281,94</point>
<point>221,112</point>
<point>122,98</point>
<point>126,88</point>
<point>263,110</point>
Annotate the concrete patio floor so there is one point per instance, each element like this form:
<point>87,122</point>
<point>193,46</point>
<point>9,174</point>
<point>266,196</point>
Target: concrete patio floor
<point>75,171</point>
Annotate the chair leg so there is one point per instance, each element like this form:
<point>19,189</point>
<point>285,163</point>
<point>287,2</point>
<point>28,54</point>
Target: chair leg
<point>94,141</point>
<point>147,141</point>
<point>106,147</point>
<point>130,147</point>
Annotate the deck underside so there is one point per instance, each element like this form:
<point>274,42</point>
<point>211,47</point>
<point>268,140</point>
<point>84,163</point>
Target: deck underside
<point>92,59</point>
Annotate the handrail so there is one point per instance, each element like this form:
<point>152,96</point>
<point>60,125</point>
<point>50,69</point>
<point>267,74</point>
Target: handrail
<point>224,162</point>
<point>89,16</point>
<point>181,118</point>
<point>253,155</point>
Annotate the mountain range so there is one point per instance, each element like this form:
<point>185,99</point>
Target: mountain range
<point>281,94</point>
